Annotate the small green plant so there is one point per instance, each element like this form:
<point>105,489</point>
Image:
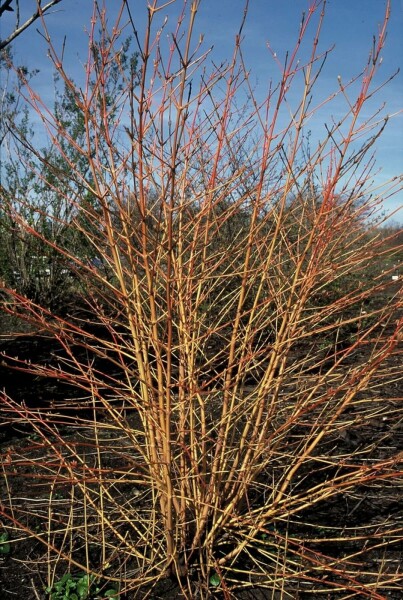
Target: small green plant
<point>215,580</point>
<point>79,587</point>
<point>4,543</point>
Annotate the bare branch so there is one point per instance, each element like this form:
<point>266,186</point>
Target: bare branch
<point>18,30</point>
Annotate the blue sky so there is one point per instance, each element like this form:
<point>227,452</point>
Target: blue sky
<point>349,24</point>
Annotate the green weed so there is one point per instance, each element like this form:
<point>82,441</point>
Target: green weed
<point>79,587</point>
<point>4,543</point>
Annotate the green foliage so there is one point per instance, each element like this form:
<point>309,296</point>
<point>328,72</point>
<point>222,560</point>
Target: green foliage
<point>215,580</point>
<point>79,587</point>
<point>5,546</point>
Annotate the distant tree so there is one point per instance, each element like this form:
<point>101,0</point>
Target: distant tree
<point>47,194</point>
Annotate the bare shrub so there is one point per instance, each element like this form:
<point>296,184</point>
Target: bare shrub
<point>229,343</point>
